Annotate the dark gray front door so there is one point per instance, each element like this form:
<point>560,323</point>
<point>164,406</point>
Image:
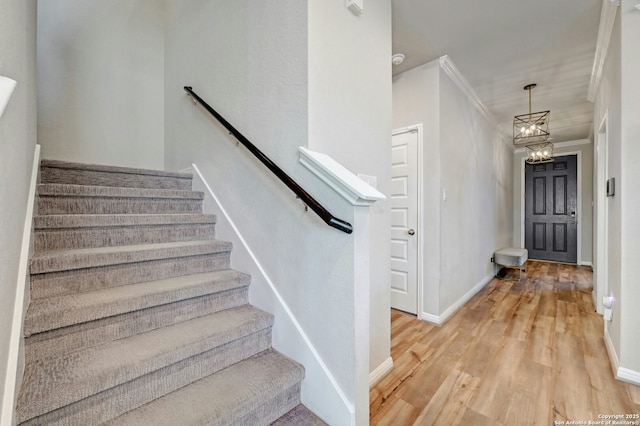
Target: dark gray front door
<point>551,199</point>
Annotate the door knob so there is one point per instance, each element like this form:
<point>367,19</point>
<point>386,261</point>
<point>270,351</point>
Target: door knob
<point>411,231</point>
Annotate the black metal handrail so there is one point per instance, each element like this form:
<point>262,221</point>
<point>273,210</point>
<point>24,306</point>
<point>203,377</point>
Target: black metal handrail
<point>324,214</point>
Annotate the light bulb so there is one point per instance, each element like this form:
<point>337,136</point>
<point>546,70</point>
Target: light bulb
<point>522,129</point>
<point>546,153</point>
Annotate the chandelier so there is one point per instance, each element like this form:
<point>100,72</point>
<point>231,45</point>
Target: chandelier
<point>539,153</point>
<point>532,127</point>
<point>532,131</point>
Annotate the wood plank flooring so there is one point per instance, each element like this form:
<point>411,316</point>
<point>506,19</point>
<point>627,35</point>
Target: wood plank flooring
<point>527,352</point>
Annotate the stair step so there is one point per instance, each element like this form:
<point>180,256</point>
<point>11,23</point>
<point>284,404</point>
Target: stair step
<point>94,333</point>
<point>63,311</point>
<point>80,280</point>
<point>255,391</point>
<point>62,232</point>
<point>300,415</point>
<point>54,171</point>
<point>65,260</point>
<point>52,384</point>
<point>84,199</point>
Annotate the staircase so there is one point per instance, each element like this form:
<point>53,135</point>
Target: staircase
<point>135,316</point>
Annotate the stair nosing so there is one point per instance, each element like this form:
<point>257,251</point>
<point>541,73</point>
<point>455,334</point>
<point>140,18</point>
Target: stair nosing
<point>79,221</point>
<point>108,192</point>
<point>64,260</point>
<point>138,296</point>
<point>58,164</point>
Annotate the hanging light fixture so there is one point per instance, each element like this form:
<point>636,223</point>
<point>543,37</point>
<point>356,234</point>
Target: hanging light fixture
<point>531,128</point>
<point>539,153</point>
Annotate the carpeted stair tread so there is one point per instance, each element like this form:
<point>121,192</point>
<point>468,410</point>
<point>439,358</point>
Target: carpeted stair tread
<point>63,260</point>
<point>63,221</point>
<point>53,171</point>
<point>111,169</point>
<point>76,231</point>
<point>135,315</point>
<point>57,312</point>
<point>53,383</point>
<point>224,397</point>
<point>299,416</point>
<point>58,189</point>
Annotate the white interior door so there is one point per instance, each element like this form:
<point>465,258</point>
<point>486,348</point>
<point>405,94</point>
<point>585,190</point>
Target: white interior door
<point>404,221</point>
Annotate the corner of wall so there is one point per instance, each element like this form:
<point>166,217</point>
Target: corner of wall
<point>15,362</point>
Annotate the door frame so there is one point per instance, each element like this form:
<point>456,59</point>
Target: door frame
<point>601,222</point>
<point>417,128</point>
<point>578,155</point>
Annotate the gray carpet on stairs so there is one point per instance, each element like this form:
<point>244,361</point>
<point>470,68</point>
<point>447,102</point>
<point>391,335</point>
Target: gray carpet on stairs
<point>135,316</point>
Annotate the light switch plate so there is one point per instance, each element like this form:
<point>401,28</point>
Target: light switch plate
<point>355,6</point>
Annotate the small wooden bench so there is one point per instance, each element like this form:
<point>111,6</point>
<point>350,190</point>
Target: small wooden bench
<point>511,257</point>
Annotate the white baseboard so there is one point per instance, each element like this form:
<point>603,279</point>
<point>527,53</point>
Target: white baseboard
<point>448,313</point>
<point>13,361</point>
<point>611,351</point>
<point>380,371</point>
<point>620,373</point>
<point>586,264</point>
<point>320,390</point>
<point>430,318</point>
<point>628,375</point>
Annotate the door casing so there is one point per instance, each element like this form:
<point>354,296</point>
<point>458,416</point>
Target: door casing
<point>418,128</point>
<point>601,263</point>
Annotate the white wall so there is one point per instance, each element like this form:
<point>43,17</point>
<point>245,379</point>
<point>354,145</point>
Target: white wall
<point>17,144</point>
<point>585,148</point>
<point>618,99</point>
<point>476,173</point>
<point>465,156</point>
<point>347,90</point>
<point>100,81</point>
<point>416,100</point>
<point>262,65</point>
<point>629,297</point>
<point>608,104</point>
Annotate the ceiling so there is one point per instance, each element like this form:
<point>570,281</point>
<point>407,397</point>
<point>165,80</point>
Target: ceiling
<point>500,46</point>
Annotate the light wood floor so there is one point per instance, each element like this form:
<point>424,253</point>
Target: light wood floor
<point>527,352</point>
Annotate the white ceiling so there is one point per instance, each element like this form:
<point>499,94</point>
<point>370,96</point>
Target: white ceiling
<point>502,45</point>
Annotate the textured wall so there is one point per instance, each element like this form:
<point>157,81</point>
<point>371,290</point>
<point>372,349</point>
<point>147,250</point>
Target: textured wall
<point>464,156</point>
<point>629,183</point>
<point>17,144</point>
<point>476,169</point>
<point>608,104</point>
<point>100,81</point>
<point>262,67</point>
<point>350,119</point>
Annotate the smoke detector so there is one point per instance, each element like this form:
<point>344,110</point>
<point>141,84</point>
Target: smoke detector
<point>397,59</point>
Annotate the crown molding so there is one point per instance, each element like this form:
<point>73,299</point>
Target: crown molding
<point>607,19</point>
<point>456,76</point>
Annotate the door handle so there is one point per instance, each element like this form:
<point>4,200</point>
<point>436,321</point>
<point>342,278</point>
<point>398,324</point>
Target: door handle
<point>411,231</point>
